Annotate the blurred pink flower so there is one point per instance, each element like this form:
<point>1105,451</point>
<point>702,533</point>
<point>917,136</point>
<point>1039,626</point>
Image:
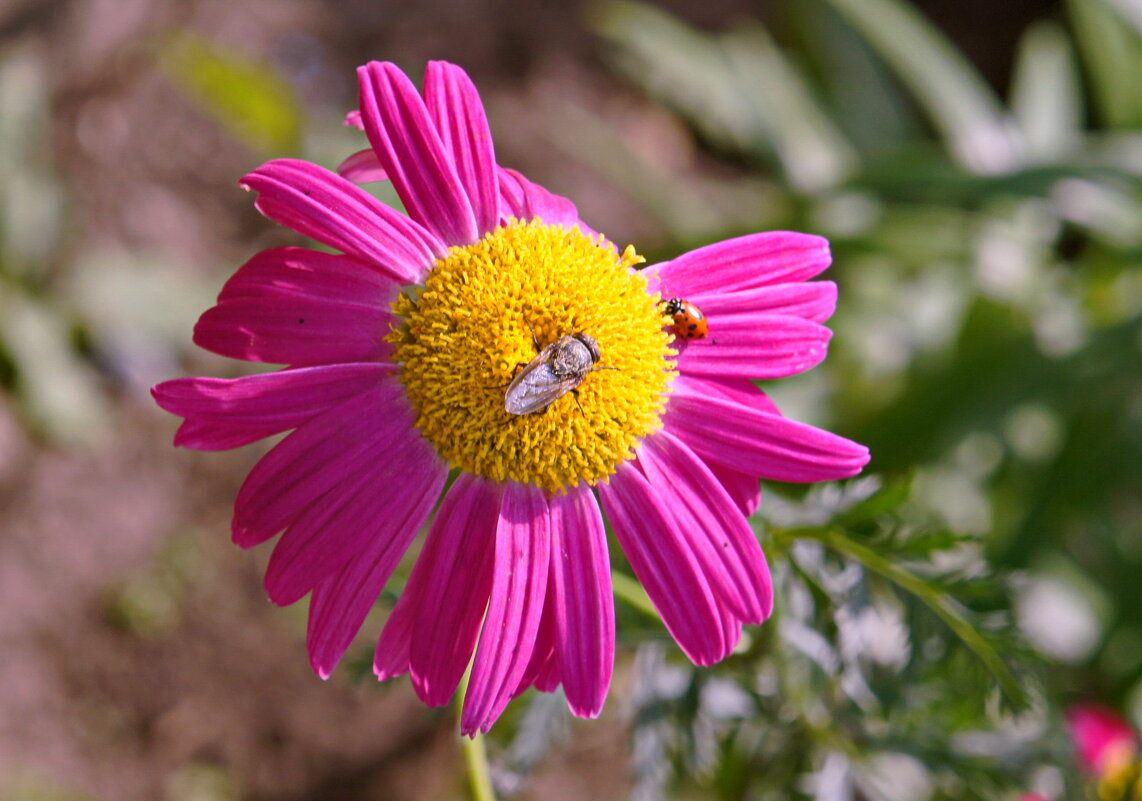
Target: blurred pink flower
<point>1105,740</point>
<point>400,347</point>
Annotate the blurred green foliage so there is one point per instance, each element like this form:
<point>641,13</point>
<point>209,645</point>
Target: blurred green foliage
<point>988,351</point>
<point>79,320</point>
<point>249,98</point>
<point>40,362</point>
<point>148,603</point>
<point>892,669</point>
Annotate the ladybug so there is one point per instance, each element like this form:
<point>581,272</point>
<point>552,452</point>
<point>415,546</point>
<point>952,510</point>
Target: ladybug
<point>689,321</point>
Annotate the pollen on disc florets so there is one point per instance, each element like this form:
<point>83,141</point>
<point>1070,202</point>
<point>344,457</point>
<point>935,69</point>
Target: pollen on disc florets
<point>466,331</point>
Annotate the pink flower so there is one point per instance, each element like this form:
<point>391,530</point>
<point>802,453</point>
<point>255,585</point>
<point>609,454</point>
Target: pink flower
<point>1105,741</point>
<point>401,348</point>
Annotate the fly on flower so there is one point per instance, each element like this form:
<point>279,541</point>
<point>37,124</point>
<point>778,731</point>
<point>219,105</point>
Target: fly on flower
<point>386,395</point>
<point>558,369</point>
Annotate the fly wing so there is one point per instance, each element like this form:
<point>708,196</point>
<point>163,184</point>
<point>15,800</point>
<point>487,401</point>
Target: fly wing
<point>536,387</point>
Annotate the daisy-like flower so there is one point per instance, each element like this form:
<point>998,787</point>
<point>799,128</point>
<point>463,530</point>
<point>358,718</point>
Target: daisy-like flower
<point>400,351</point>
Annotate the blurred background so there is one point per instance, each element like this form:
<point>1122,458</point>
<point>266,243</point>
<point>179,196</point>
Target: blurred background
<point>978,168</point>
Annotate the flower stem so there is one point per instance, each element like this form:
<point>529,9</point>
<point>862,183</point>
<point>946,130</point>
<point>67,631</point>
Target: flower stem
<point>475,752</point>
<point>476,757</point>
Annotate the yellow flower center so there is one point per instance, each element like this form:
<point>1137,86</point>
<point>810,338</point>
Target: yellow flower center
<point>470,327</point>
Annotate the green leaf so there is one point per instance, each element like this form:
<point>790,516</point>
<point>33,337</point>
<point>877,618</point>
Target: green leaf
<point>59,391</point>
<point>1130,10</point>
<point>884,500</point>
<point>813,151</point>
<point>246,97</point>
<point>1046,96</point>
<point>943,605</point>
<point>956,98</point>
<point>739,90</point>
<point>684,68</point>
<point>32,203</point>
<point>1112,53</point>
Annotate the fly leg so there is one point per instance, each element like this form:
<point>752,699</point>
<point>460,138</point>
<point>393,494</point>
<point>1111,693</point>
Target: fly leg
<point>534,338</point>
<point>575,395</point>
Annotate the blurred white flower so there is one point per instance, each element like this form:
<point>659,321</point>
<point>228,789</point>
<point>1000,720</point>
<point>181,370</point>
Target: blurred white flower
<point>876,633</point>
<point>1058,617</point>
<point>891,776</point>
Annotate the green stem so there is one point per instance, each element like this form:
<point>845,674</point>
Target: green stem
<point>939,602</point>
<point>475,752</point>
<point>476,757</point>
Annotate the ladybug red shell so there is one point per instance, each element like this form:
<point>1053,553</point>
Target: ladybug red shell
<point>689,321</point>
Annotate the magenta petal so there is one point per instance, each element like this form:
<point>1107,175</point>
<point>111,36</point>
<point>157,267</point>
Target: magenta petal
<point>756,346</point>
<point>743,488</point>
<point>226,413</point>
<point>341,601</point>
<point>392,655</point>
<point>376,535</point>
<point>664,563</point>
<point>301,307</point>
<point>389,500</point>
<point>543,656</point>
<point>524,200</point>
<point>758,442</point>
<point>583,600</point>
<point>321,204</point>
<point>455,107</point>
<point>549,678</point>
<point>519,586</point>
<point>809,300</point>
<point>362,168</point>
<point>742,263</point>
<point>738,390</point>
<point>412,154</point>
<point>719,535</point>
<point>317,457</point>
<point>452,580</point>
